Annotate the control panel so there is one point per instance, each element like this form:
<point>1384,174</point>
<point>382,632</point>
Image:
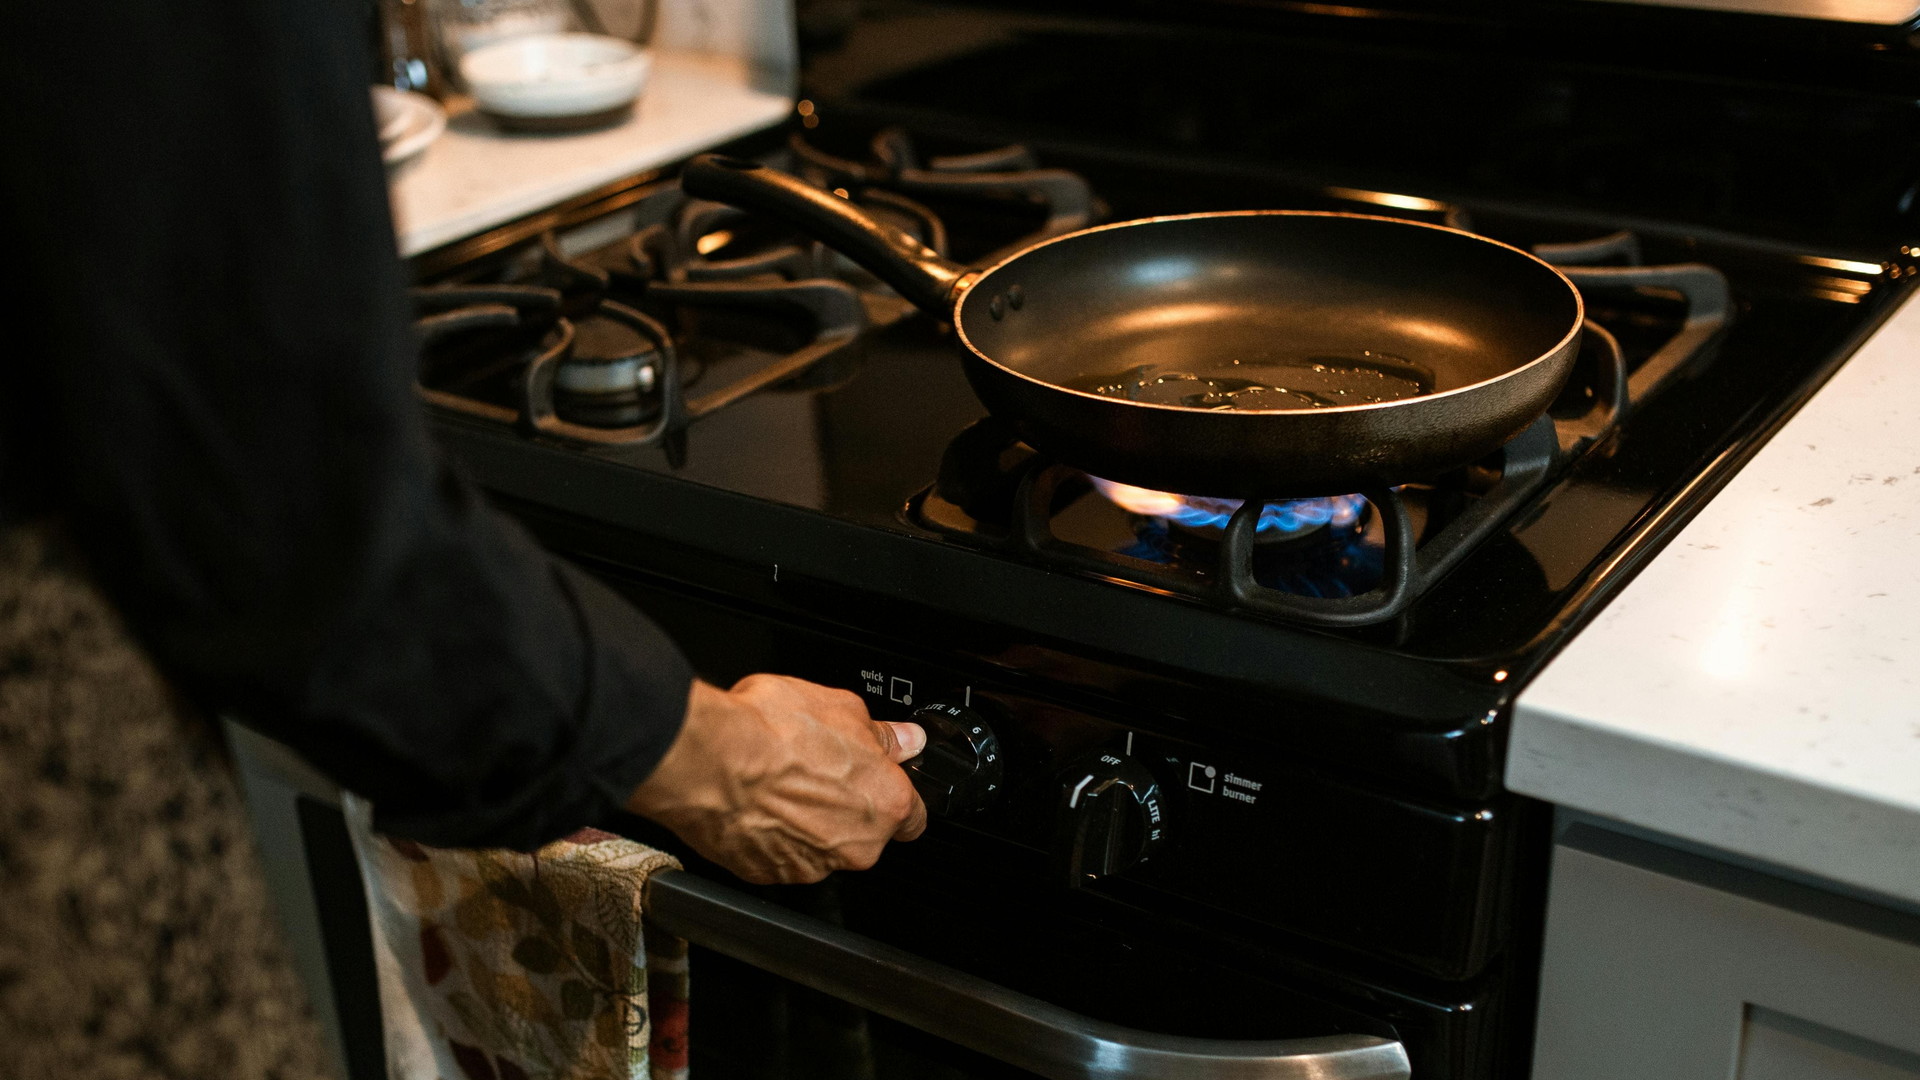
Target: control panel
<point>1133,810</point>
<point>1111,816</point>
<point>1058,781</point>
<point>1032,778</point>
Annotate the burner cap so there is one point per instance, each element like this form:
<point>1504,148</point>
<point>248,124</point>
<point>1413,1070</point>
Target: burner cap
<point>610,377</point>
<point>621,375</point>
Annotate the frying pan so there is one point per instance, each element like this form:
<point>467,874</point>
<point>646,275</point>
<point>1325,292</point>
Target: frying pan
<point>1251,354</point>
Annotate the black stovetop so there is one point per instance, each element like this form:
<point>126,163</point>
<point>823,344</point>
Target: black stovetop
<point>808,501</point>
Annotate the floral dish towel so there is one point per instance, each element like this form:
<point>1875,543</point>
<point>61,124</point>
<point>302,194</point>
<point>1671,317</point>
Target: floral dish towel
<point>502,965</point>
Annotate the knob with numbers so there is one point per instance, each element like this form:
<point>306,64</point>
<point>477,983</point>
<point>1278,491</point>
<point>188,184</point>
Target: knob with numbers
<point>961,767</point>
<point>1111,818</point>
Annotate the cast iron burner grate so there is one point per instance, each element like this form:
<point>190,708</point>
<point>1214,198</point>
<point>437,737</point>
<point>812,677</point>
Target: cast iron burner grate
<point>603,347</point>
<point>971,186</point>
<point>535,357</point>
<point>996,492</point>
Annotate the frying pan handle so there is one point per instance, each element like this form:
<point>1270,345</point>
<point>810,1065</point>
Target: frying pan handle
<point>930,282</point>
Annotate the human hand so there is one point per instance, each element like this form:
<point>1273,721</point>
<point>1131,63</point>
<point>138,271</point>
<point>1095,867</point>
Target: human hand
<point>784,781</point>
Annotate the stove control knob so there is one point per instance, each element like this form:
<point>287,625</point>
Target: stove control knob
<point>960,769</point>
<point>1110,818</point>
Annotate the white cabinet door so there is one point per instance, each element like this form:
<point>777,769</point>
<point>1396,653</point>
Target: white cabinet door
<point>1664,974</point>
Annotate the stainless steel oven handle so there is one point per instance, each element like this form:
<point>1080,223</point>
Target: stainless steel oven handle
<point>1008,1026</point>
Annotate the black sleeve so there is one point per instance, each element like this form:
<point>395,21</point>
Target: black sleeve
<point>218,382</point>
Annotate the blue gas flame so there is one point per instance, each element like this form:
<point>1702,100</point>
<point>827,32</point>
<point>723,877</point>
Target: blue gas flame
<point>1198,512</point>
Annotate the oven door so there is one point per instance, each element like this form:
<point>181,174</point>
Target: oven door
<point>785,994</point>
<point>805,989</point>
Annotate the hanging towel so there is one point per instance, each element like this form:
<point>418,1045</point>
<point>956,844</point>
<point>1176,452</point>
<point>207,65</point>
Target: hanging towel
<point>502,965</point>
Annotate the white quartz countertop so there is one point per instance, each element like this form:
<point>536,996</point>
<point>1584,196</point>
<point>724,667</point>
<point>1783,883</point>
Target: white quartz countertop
<point>476,176</point>
<point>1757,687</point>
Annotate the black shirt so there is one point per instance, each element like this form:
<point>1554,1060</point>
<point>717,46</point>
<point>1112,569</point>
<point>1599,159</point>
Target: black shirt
<point>209,377</point>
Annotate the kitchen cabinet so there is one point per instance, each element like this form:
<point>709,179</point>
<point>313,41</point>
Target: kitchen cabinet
<point>1662,964</point>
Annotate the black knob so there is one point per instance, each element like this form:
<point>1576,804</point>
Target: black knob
<point>960,769</point>
<point>1111,818</point>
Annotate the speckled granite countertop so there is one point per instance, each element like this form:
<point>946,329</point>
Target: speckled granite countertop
<point>1757,687</point>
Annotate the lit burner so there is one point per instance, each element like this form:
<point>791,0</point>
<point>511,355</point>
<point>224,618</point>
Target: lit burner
<point>1280,519</point>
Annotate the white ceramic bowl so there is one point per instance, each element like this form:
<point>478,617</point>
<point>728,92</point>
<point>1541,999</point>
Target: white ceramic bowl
<point>555,75</point>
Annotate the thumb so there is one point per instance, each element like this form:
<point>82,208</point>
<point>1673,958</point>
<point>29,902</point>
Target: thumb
<point>900,741</point>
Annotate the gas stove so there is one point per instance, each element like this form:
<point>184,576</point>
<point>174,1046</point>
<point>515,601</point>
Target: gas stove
<point>1293,712</point>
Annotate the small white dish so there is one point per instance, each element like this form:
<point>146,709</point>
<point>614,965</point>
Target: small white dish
<point>408,123</point>
<point>556,80</point>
